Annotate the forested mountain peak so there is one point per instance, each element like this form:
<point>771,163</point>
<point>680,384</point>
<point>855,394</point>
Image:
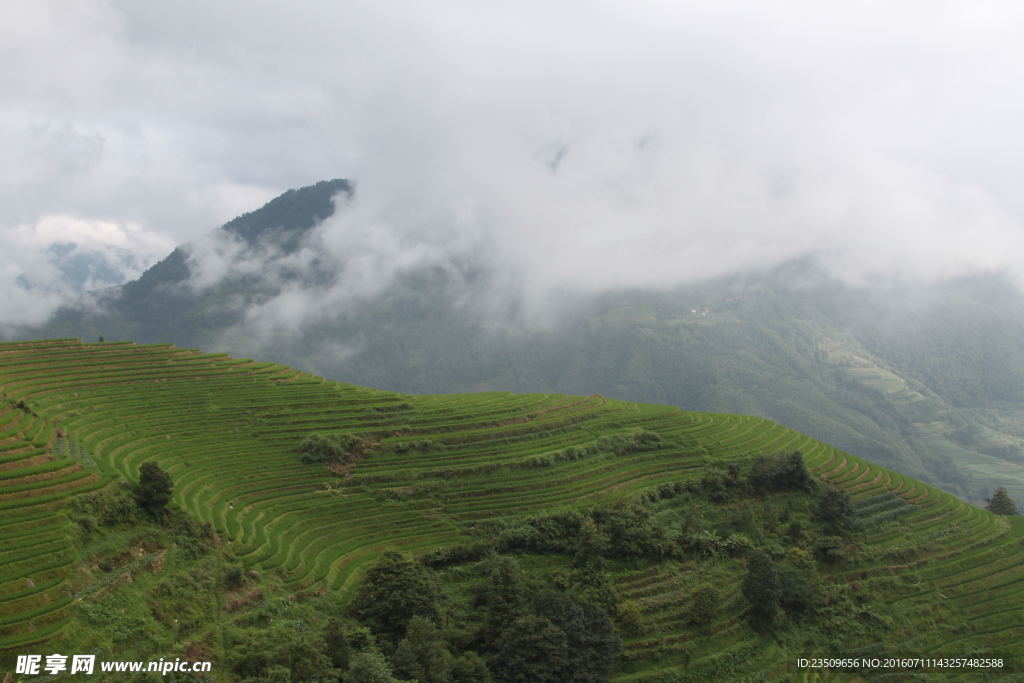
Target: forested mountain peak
<point>296,210</point>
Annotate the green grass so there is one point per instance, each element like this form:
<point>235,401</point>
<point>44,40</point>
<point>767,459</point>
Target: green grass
<point>228,432</point>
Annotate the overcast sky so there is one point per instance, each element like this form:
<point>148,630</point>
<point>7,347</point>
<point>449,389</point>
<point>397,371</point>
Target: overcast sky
<point>583,144</point>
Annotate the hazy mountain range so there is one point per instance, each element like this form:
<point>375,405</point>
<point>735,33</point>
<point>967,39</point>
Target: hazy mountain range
<point>926,379</point>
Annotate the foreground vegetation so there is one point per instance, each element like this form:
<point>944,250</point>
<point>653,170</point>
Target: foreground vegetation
<point>623,540</point>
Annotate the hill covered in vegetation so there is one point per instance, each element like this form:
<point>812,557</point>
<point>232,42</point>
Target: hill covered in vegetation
<point>923,379</point>
<point>319,530</point>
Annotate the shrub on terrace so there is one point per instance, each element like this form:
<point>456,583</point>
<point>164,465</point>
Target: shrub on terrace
<point>779,472</point>
<point>532,648</point>
<point>395,590</point>
<point>836,512</point>
<point>704,604</point>
<point>630,617</point>
<point>154,490</point>
<point>633,442</point>
<point>588,584</point>
<point>286,650</point>
<point>422,654</point>
<point>369,667</point>
<point>831,549</point>
<point>319,447</point>
<point>761,589</point>
<point>337,644</point>
<point>1000,503</point>
<point>109,507</point>
<point>234,576</point>
<point>504,597</point>
<point>629,531</point>
<point>796,592</point>
<point>771,587</point>
<point>589,632</point>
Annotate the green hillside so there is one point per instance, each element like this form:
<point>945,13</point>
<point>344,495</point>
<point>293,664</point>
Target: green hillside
<point>922,379</point>
<point>922,574</point>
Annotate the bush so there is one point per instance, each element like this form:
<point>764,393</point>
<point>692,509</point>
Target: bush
<point>630,617</point>
<point>470,668</point>
<point>108,507</point>
<point>1000,503</point>
<point>796,592</point>
<point>532,648</point>
<point>234,577</point>
<point>592,645</point>
<point>154,490</point>
<point>395,590</point>
<point>704,606</point>
<point>422,654</point>
<point>761,587</point>
<point>337,645</point>
<point>711,544</point>
<point>831,549</point>
<point>460,553</point>
<point>629,531</point>
<point>779,473</point>
<point>634,442</point>
<point>504,597</point>
<point>714,486</point>
<point>369,667</point>
<point>329,448</point>
<point>183,602</point>
<point>191,538</point>
<point>836,512</point>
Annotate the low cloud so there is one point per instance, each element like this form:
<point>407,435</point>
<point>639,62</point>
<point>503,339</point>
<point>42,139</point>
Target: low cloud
<point>568,149</point>
<point>54,260</point>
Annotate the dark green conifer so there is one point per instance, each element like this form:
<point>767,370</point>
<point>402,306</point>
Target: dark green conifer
<point>1000,503</point>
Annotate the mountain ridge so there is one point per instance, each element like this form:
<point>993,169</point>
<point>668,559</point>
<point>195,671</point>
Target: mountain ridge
<point>924,379</point>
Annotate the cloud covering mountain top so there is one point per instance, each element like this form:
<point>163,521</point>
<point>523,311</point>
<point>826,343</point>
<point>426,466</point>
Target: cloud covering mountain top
<point>578,147</point>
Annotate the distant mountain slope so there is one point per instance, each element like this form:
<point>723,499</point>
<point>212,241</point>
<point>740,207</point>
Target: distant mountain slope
<point>928,380</point>
<point>161,304</point>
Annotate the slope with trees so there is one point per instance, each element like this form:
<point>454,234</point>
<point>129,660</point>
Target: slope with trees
<point>694,545</point>
<point>923,379</point>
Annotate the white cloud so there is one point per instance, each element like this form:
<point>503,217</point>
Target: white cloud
<point>691,139</point>
<point>95,233</point>
<point>50,262</point>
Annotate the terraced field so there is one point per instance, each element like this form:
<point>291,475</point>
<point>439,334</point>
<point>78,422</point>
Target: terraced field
<point>75,415</point>
<point>35,549</point>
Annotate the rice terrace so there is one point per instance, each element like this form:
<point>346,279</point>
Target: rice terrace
<point>454,480</point>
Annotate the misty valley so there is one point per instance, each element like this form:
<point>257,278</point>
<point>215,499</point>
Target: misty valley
<point>521,342</point>
<point>270,459</point>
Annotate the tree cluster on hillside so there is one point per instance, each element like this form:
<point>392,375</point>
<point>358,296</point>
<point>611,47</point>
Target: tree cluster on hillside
<point>561,620</point>
<point>120,504</point>
<point>772,587</point>
<point>531,630</point>
<point>768,512</point>
<point>566,624</point>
